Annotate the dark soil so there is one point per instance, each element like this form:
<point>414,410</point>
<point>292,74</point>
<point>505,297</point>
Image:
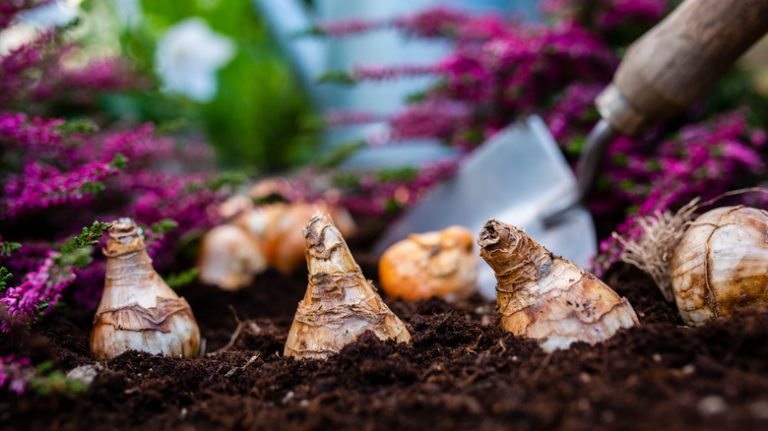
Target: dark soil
<point>461,372</point>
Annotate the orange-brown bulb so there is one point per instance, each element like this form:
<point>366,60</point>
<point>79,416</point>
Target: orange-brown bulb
<point>441,264</point>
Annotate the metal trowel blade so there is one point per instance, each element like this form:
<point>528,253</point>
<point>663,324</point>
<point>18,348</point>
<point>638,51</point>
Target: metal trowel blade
<point>515,177</point>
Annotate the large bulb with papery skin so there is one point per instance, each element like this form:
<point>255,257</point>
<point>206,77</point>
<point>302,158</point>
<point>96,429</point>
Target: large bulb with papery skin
<point>547,298</point>
<point>340,303</point>
<point>138,311</point>
<point>721,264</point>
<point>442,264</point>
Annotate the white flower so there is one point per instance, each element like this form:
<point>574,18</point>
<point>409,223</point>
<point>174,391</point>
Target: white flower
<point>188,56</point>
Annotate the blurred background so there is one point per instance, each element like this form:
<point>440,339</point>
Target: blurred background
<point>239,72</point>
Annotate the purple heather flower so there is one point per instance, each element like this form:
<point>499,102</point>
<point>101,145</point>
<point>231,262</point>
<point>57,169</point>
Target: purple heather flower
<point>40,186</point>
<point>338,118</point>
<point>15,373</point>
<point>40,290</point>
<point>704,160</point>
<point>428,119</point>
<point>346,27</point>
<point>385,73</point>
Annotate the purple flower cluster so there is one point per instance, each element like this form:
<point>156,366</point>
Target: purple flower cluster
<point>39,290</point>
<point>492,80</point>
<point>81,86</point>
<point>437,22</point>
<point>15,373</point>
<point>703,160</point>
<point>375,196</point>
<point>384,73</point>
<point>573,112</point>
<point>35,75</point>
<point>604,16</point>
<point>19,68</point>
<point>39,187</point>
<point>70,174</point>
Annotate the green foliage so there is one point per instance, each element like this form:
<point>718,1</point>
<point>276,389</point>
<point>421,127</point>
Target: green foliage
<point>7,248</point>
<point>396,175</point>
<point>47,381</point>
<point>78,126</point>
<point>77,250</point>
<point>227,180</point>
<point>257,116</point>
<point>339,153</point>
<point>336,77</point>
<point>118,162</point>
<point>92,187</point>
<point>5,278</point>
<point>178,280</point>
<point>349,180</point>
<point>88,237</point>
<point>163,226</point>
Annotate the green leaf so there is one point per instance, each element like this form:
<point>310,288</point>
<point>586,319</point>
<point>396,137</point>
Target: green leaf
<point>227,179</point>
<point>5,278</point>
<point>271,198</point>
<point>163,226</point>
<point>336,77</point>
<point>47,381</point>
<point>87,238</point>
<point>78,125</point>
<point>340,153</point>
<point>7,247</point>
<point>397,175</point>
<point>92,187</point>
<point>180,279</point>
<point>576,145</point>
<point>347,180</point>
<point>118,162</point>
<point>392,207</point>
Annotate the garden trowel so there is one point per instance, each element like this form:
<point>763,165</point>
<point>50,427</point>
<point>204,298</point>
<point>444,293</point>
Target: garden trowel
<point>520,176</point>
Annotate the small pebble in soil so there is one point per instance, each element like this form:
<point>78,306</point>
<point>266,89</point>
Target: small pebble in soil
<point>711,405</point>
<point>84,373</point>
<point>759,409</point>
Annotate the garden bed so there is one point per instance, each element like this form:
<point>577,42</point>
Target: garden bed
<point>461,372</point>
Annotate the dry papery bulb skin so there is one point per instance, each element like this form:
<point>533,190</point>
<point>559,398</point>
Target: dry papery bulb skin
<point>711,266</point>
<point>277,228</point>
<point>138,311</point>
<point>230,258</point>
<point>547,298</point>
<point>430,264</point>
<point>340,304</point>
<point>721,264</point>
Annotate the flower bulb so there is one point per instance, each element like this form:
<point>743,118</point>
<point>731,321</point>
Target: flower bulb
<point>548,298</point>
<point>138,311</point>
<point>440,264</point>
<point>339,304</point>
<point>230,258</point>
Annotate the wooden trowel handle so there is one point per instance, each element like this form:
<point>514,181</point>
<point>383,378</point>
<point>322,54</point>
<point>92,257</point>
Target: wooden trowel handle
<point>680,60</point>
